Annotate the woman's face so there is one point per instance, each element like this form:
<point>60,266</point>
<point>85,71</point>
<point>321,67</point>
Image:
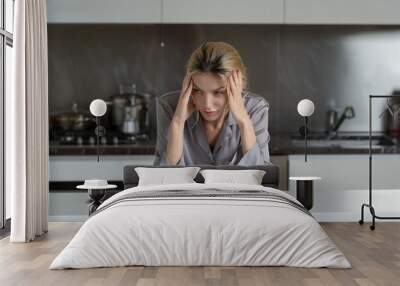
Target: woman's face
<point>209,95</point>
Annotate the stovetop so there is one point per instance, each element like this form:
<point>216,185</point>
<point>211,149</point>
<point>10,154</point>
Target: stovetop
<point>85,138</point>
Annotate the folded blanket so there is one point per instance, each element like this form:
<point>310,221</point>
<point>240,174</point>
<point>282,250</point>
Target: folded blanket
<point>205,194</point>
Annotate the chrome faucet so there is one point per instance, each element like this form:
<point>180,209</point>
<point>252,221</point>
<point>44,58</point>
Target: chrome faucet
<point>348,113</point>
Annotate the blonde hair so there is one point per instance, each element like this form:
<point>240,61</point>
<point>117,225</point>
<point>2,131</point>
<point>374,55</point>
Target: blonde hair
<point>218,58</point>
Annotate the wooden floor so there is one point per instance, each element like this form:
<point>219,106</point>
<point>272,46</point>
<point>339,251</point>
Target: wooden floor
<point>374,255</point>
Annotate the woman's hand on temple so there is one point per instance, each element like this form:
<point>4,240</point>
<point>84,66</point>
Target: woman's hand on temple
<point>236,105</point>
<point>184,109</point>
<point>185,106</point>
<point>235,99</point>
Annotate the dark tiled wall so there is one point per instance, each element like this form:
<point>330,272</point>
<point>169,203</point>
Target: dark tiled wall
<point>332,65</point>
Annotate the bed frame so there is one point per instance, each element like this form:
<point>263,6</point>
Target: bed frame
<point>270,179</point>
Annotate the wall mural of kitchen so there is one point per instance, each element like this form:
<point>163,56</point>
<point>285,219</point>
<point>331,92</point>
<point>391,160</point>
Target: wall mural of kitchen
<point>130,65</point>
<point>126,65</point>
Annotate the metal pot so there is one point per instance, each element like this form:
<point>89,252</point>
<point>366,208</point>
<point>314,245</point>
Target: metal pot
<point>131,121</point>
<point>73,120</point>
<point>129,112</point>
<point>118,102</point>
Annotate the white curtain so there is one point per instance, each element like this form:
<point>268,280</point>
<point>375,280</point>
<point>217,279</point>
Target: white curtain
<point>27,124</point>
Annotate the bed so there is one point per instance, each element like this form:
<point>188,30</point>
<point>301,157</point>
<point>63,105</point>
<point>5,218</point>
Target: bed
<point>199,224</point>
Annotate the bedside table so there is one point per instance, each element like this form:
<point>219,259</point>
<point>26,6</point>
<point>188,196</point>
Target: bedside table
<point>304,190</point>
<point>96,194</point>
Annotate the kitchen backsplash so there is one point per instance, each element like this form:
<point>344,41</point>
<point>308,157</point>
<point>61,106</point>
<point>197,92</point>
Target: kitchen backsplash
<point>334,66</point>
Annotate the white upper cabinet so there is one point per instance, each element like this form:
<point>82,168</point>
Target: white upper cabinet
<point>224,11</point>
<point>342,12</point>
<point>104,11</point>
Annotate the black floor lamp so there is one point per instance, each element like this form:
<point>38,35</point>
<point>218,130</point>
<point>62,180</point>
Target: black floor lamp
<point>98,108</point>
<point>304,185</point>
<point>370,205</point>
<point>305,108</point>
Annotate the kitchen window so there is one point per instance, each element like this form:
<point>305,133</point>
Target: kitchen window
<point>6,60</point>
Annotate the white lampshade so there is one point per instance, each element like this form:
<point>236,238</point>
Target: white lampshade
<point>305,107</point>
<point>98,107</point>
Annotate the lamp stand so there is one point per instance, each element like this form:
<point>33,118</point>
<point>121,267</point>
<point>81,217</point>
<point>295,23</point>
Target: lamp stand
<point>99,131</point>
<point>97,135</point>
<point>305,138</point>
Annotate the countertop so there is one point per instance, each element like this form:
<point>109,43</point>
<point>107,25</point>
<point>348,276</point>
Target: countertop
<point>280,144</point>
<point>143,148</point>
<point>343,143</point>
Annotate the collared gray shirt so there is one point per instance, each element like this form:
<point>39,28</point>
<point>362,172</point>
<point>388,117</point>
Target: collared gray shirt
<point>227,149</point>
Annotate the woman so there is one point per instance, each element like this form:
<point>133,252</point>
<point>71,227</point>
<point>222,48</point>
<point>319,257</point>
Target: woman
<point>212,120</point>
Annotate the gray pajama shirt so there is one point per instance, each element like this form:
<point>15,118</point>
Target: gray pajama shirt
<point>227,149</point>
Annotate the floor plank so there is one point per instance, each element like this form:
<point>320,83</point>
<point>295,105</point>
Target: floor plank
<point>375,257</point>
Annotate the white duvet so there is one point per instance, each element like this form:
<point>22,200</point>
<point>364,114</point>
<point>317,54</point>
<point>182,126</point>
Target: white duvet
<point>200,231</point>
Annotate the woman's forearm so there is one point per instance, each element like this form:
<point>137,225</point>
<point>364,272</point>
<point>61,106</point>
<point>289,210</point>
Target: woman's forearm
<point>247,134</point>
<point>175,141</point>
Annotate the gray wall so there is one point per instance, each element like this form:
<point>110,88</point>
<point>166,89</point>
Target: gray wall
<point>332,65</point>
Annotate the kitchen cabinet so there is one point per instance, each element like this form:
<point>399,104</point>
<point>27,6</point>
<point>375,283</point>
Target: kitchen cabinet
<point>72,205</point>
<point>344,185</point>
<point>104,11</point>
<point>337,196</point>
<point>342,12</point>
<point>79,168</point>
<point>167,11</point>
<point>224,11</point>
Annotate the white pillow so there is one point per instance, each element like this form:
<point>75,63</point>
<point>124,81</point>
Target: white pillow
<point>162,176</point>
<point>249,177</point>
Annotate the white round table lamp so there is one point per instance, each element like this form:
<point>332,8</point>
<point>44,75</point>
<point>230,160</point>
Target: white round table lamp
<point>98,108</point>
<point>305,108</point>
